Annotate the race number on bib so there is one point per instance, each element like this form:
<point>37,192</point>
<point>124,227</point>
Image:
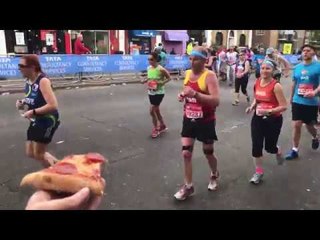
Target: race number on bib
<point>240,70</point>
<point>152,85</point>
<point>194,111</point>
<point>261,108</point>
<point>304,88</point>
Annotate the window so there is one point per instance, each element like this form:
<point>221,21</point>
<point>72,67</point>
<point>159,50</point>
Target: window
<point>260,32</point>
<point>242,40</point>
<point>219,38</point>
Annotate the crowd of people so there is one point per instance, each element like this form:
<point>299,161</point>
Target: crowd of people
<point>201,98</point>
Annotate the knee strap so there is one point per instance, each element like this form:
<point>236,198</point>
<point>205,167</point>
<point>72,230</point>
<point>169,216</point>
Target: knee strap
<point>187,148</point>
<point>208,151</point>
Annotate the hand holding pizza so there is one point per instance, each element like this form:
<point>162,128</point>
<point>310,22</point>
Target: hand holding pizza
<point>77,177</point>
<point>46,200</point>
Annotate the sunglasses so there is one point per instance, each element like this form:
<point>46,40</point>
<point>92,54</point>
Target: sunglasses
<point>22,66</point>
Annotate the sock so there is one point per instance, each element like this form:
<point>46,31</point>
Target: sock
<point>189,185</point>
<point>279,150</point>
<point>259,170</point>
<point>295,149</point>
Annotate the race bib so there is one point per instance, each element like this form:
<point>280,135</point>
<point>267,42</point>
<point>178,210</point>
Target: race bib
<point>152,85</point>
<point>261,107</point>
<point>304,88</point>
<point>194,111</point>
<point>240,70</point>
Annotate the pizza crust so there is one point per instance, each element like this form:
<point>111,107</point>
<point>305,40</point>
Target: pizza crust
<point>62,183</point>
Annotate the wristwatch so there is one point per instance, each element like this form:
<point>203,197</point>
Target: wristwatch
<point>269,112</point>
<point>34,112</point>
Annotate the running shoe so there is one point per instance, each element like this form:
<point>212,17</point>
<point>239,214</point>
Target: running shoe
<point>184,193</point>
<point>256,178</point>
<point>280,159</point>
<point>292,155</point>
<point>162,128</point>
<point>235,103</point>
<point>213,183</point>
<point>155,133</point>
<point>315,143</point>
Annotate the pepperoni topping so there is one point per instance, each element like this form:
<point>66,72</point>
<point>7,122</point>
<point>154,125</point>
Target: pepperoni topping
<point>95,158</point>
<point>64,168</point>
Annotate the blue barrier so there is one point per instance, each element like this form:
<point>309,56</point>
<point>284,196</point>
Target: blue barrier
<point>60,65</point>
<point>292,59</point>
<point>9,67</point>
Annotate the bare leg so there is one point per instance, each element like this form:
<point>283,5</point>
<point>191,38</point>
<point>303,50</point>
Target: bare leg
<point>158,115</point>
<point>296,133</point>
<point>209,153</point>
<point>40,154</point>
<point>153,116</point>
<point>187,157</point>
<point>312,130</point>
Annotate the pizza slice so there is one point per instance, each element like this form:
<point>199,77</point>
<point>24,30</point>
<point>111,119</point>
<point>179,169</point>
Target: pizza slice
<point>70,175</point>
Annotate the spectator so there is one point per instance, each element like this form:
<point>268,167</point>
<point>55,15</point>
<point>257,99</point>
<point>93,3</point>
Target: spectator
<point>48,200</point>
<point>79,47</point>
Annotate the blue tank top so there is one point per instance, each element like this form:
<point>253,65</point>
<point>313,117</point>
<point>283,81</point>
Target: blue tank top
<point>34,99</point>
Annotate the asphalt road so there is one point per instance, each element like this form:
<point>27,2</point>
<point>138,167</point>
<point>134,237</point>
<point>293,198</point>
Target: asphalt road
<point>144,173</point>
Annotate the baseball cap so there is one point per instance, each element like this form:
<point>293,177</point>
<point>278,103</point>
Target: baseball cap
<point>270,51</point>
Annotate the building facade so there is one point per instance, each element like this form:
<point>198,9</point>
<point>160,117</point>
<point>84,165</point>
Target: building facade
<point>175,40</point>
<point>228,38</point>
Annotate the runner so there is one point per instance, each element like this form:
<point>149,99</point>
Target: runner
<point>231,65</point>
<point>304,99</point>
<point>42,107</point>
<point>222,65</point>
<point>258,59</point>
<point>266,122</point>
<point>156,82</point>
<point>201,96</point>
<point>279,62</point>
<point>242,77</point>
<point>212,61</point>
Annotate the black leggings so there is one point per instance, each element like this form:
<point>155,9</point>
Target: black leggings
<point>265,130</point>
<point>241,82</point>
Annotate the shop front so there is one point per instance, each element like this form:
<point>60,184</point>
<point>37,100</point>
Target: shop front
<point>175,41</point>
<point>35,41</point>
<point>96,40</point>
<point>140,41</point>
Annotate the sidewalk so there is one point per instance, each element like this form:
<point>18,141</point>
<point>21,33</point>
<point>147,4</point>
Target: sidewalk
<point>17,85</point>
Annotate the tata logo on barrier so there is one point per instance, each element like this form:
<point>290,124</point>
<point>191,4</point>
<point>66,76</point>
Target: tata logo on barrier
<point>127,58</point>
<point>4,60</point>
<point>178,58</point>
<point>93,58</point>
<point>53,59</point>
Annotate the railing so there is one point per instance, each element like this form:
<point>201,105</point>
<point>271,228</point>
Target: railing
<point>72,66</point>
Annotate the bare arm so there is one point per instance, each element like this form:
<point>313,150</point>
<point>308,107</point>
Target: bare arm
<point>213,88</point>
<point>246,68</point>
<point>166,74</point>
<point>47,92</point>
<point>293,86</point>
<point>209,64</point>
<point>278,91</point>
<point>286,65</point>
